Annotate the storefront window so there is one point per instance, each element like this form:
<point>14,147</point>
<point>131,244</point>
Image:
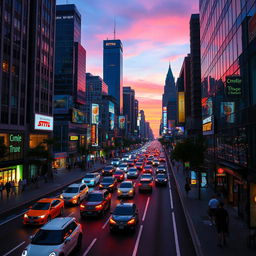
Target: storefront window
<point>11,173</point>
<point>36,139</point>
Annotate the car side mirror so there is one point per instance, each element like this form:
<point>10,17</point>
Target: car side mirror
<point>67,240</point>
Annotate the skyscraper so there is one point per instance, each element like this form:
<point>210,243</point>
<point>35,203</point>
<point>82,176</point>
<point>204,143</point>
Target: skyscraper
<point>129,108</point>
<point>70,85</point>
<point>113,69</point>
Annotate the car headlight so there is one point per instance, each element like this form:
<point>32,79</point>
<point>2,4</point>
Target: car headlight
<point>52,254</point>
<point>119,191</point>
<point>91,181</point>
<point>74,197</point>
<point>41,217</point>
<point>24,253</point>
<point>25,215</point>
<point>165,179</point>
<point>130,191</point>
<point>61,196</point>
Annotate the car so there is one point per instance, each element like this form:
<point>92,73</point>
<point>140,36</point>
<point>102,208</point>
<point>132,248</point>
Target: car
<point>126,189</point>
<point>43,211</point>
<point>162,159</point>
<point>149,161</point>
<point>126,157</point>
<point>124,217</point>
<point>96,203</point>
<point>161,179</point>
<point>147,176</point>
<point>155,162</point>
<point>146,184</point>
<point>161,169</point>
<point>115,161</point>
<point>130,163</point>
<point>148,169</point>
<point>123,167</point>
<point>108,170</point>
<point>91,179</point>
<point>108,183</point>
<point>132,173</point>
<point>139,165</point>
<point>75,193</point>
<point>119,175</point>
<point>60,236</point>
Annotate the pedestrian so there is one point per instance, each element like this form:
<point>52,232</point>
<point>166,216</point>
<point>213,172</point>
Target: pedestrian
<point>187,188</point>
<point>8,188</point>
<point>13,188</point>
<point>1,189</point>
<point>212,206</point>
<point>20,186</point>
<point>222,223</point>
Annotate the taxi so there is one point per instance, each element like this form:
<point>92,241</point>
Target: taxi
<point>43,211</point>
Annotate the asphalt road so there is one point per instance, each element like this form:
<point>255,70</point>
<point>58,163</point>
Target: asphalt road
<point>162,229</point>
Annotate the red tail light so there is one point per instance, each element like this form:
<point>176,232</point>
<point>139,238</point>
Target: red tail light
<point>139,184</point>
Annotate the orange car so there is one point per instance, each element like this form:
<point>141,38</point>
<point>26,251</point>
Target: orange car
<point>43,211</point>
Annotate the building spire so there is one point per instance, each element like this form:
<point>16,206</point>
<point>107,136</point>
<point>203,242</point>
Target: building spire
<point>115,29</point>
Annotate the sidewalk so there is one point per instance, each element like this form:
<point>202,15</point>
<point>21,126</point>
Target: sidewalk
<point>61,179</point>
<point>207,235</point>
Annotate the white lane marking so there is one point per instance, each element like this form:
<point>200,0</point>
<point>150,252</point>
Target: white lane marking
<point>16,216</point>
<point>106,223</point>
<point>171,200</point>
<point>175,235</point>
<point>145,210</point>
<point>137,242</point>
<point>90,246</point>
<point>12,250</point>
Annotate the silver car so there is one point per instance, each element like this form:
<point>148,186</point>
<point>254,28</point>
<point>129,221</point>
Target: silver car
<point>60,236</point>
<point>126,189</point>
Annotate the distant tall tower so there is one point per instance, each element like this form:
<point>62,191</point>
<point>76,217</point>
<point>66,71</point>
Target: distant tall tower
<point>113,69</point>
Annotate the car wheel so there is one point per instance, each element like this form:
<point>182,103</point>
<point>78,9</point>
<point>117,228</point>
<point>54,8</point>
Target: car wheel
<point>78,201</point>
<point>79,242</point>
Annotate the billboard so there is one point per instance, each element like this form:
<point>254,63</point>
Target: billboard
<point>207,107</point>
<point>78,116</point>
<point>233,86</point>
<point>208,125</point>
<point>227,110</point>
<point>94,135</point>
<point>121,122</point>
<point>43,122</point>
<point>111,110</point>
<point>165,117</point>
<point>61,103</point>
<point>95,113</point>
<point>181,107</point>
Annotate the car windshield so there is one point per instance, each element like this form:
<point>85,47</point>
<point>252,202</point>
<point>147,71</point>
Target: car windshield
<point>146,177</point>
<point>48,237</point>
<point>133,170</point>
<point>108,179</point>
<point>41,206</point>
<point>94,197</point>
<point>123,210</point>
<point>163,176</point>
<point>71,190</point>
<point>147,167</point>
<point>125,185</point>
<point>139,164</point>
<point>108,168</point>
<point>118,172</point>
<point>89,176</point>
<point>123,165</point>
<point>115,159</point>
<point>145,181</point>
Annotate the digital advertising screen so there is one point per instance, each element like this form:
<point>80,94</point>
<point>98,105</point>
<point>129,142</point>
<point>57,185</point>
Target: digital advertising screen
<point>95,114</point>
<point>78,116</point>
<point>227,110</point>
<point>121,121</point>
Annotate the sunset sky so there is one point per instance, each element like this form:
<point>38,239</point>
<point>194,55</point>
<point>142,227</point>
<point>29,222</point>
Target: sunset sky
<point>152,32</point>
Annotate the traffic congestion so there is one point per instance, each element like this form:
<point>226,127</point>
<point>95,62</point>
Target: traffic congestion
<point>111,204</point>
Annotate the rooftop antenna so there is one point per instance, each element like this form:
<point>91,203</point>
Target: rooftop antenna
<point>115,29</point>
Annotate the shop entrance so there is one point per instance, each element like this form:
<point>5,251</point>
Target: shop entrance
<point>11,173</point>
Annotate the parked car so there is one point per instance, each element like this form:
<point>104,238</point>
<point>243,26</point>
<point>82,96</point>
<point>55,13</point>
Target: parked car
<point>124,217</point>
<point>91,179</point>
<point>43,211</point>
<point>108,183</point>
<point>58,237</point>
<point>75,193</point>
<point>108,170</point>
<point>126,189</point>
<point>96,203</point>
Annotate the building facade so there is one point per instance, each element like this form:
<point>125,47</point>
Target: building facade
<point>228,57</point>
<point>70,86</point>
<point>113,69</point>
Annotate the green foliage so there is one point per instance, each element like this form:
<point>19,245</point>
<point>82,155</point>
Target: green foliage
<point>190,150</point>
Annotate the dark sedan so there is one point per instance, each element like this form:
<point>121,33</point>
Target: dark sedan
<point>108,183</point>
<point>132,173</point>
<point>139,165</point>
<point>161,179</point>
<point>124,217</point>
<point>108,170</point>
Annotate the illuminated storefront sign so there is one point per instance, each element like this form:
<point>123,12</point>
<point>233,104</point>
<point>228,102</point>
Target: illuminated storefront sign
<point>165,117</point>
<point>94,135</point>
<point>95,114</point>
<point>227,110</point>
<point>233,86</point>
<point>74,138</point>
<point>208,125</point>
<point>121,121</point>
<point>15,143</point>
<point>111,115</point>
<point>43,122</point>
<point>78,116</point>
<point>181,107</point>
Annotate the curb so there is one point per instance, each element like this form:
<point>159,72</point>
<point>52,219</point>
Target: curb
<point>191,227</point>
<point>23,204</point>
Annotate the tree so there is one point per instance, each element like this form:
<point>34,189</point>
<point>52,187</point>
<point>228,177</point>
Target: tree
<point>190,150</point>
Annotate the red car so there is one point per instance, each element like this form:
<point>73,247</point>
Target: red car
<point>97,202</point>
<point>119,175</point>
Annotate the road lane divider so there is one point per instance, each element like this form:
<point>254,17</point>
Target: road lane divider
<point>145,210</point>
<point>90,246</point>
<point>106,223</point>
<point>135,250</point>
<point>13,218</point>
<point>175,235</point>
<point>15,248</point>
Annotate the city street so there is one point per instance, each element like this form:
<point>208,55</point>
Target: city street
<point>162,229</point>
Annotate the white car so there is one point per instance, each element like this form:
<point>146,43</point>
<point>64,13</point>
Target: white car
<point>126,189</point>
<point>115,162</point>
<point>91,179</point>
<point>58,237</point>
<point>75,193</point>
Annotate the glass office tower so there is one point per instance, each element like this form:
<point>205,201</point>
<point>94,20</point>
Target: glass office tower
<point>228,57</point>
<point>113,69</point>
